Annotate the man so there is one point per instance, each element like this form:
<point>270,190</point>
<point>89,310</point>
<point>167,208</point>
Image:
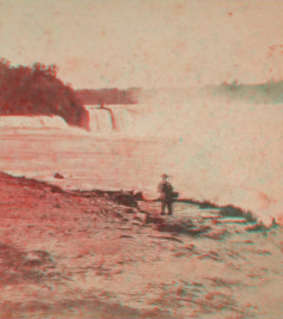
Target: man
<point>165,189</point>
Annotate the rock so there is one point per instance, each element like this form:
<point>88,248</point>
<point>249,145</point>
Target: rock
<point>166,237</point>
<point>199,230</point>
<point>175,226</point>
<point>141,216</point>
<point>38,257</point>
<point>126,236</point>
<point>125,199</point>
<point>143,212</point>
<point>136,222</point>
<point>138,196</point>
<point>216,234</point>
<point>190,247</point>
<point>119,214</point>
<point>32,260</point>
<point>174,234</point>
<point>155,219</point>
<point>43,254</point>
<point>55,189</point>
<point>211,255</point>
<point>58,176</point>
<point>169,228</point>
<point>51,233</point>
<point>79,256</point>
<point>238,220</point>
<point>130,211</point>
<point>180,254</point>
<point>257,227</point>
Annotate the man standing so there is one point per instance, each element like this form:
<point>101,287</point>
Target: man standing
<point>165,189</point>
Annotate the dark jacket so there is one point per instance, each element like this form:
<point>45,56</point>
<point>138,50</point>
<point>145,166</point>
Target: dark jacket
<point>166,191</point>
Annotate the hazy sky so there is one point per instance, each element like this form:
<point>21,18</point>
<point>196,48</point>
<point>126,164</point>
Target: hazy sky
<point>146,43</point>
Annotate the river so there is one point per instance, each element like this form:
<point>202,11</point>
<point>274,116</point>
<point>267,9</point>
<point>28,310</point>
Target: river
<point>225,155</point>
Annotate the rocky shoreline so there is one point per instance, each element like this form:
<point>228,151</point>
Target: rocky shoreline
<point>111,255</point>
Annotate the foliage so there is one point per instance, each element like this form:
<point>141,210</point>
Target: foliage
<point>36,90</point>
<point>232,211</point>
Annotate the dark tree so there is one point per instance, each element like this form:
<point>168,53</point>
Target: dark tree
<point>36,90</point>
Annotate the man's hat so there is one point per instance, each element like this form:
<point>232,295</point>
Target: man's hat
<point>164,176</point>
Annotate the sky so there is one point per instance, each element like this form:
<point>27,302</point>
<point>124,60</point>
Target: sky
<point>146,43</point>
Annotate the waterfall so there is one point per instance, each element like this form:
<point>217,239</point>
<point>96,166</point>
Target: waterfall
<point>110,119</point>
<point>101,120</point>
<point>33,122</point>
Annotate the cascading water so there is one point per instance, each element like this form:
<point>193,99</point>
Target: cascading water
<point>110,119</point>
<point>100,121</point>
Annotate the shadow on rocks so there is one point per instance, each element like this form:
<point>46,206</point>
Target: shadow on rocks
<point>125,199</point>
<point>186,227</point>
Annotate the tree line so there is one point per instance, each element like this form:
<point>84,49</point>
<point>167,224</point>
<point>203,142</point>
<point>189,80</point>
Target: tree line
<point>108,96</point>
<point>36,90</point>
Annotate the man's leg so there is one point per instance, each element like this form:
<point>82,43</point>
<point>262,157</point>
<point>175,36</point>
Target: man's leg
<point>170,207</point>
<point>163,204</point>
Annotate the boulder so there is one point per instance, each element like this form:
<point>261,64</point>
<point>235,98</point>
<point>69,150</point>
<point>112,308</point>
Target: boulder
<point>125,199</point>
<point>37,258</point>
<point>172,227</point>
<point>55,189</point>
<point>138,195</point>
<point>58,176</point>
<point>33,260</point>
<point>175,226</point>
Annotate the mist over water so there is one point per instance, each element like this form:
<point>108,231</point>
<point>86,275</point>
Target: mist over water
<point>228,152</point>
<point>214,149</point>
